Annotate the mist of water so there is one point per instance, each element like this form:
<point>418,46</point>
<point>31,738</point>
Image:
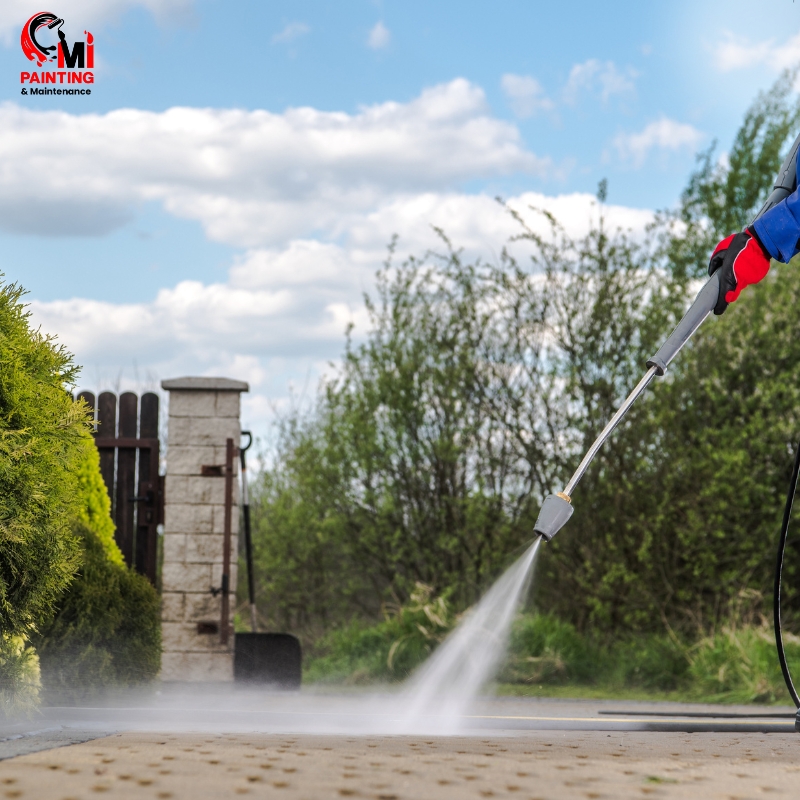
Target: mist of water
<point>439,695</point>
<point>437,700</point>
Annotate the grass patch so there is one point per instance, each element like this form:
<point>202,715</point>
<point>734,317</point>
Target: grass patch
<point>550,658</point>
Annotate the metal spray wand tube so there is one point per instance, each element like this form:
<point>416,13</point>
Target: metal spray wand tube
<point>607,431</point>
<point>248,539</point>
<point>557,508</point>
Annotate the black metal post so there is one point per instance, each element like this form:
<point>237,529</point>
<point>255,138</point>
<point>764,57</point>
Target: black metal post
<point>248,539</point>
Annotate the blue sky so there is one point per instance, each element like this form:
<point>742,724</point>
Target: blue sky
<point>415,112</point>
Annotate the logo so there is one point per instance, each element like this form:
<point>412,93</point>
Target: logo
<point>44,42</point>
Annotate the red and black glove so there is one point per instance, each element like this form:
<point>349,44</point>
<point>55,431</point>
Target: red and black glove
<point>741,260</point>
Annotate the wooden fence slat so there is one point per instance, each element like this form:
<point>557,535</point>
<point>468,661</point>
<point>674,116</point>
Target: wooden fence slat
<point>136,495</point>
<point>146,534</point>
<point>126,477</point>
<point>107,429</point>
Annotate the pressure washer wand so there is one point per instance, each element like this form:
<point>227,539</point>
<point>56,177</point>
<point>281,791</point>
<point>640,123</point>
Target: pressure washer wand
<point>557,508</point>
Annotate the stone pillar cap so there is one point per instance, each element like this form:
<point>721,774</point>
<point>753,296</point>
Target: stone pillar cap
<point>203,384</point>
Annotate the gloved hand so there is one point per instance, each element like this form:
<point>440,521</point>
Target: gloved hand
<point>741,260</point>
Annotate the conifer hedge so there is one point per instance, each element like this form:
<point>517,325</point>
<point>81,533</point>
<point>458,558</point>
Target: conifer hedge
<point>63,584</point>
<point>106,633</point>
<point>43,435</point>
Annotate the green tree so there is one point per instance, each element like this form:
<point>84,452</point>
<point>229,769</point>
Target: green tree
<point>478,388</point>
<point>677,519</point>
<point>723,195</point>
<point>474,391</point>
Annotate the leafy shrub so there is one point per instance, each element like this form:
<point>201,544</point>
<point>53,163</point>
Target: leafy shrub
<point>388,651</point>
<point>547,650</point>
<point>43,434</point>
<point>20,678</point>
<point>543,649</point>
<point>740,665</point>
<point>107,630</point>
<point>734,665</point>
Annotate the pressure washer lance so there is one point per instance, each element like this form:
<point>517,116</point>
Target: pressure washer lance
<point>557,508</point>
<point>248,539</point>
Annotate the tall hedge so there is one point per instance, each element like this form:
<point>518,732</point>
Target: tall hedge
<point>106,632</point>
<point>43,438</point>
<point>43,434</point>
<point>63,583</point>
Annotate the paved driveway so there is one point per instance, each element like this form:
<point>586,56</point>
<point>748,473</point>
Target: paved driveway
<point>318,747</point>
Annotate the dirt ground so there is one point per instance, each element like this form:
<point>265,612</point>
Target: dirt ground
<point>541,764</point>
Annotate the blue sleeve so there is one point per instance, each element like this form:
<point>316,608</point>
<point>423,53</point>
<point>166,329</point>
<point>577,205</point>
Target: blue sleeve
<point>779,228</point>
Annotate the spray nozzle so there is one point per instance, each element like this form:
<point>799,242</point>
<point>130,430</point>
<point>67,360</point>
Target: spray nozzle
<point>553,516</point>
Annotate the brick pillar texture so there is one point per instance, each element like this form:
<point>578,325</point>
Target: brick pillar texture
<point>203,413</point>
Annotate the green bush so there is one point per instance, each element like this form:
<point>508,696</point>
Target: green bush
<point>734,665</point>
<point>740,665</point>
<point>547,650</point>
<point>106,633</point>
<point>43,436</point>
<point>20,677</point>
<point>387,651</point>
<point>43,433</point>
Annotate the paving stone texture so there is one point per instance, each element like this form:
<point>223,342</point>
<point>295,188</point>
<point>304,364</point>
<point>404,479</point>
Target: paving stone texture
<point>533,765</point>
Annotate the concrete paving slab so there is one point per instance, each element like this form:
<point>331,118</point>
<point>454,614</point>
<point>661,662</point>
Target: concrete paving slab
<point>304,746</point>
<point>530,766</point>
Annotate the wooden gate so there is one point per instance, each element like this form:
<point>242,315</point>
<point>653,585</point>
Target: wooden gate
<point>126,434</point>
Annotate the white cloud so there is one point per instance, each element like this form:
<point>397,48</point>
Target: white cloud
<point>596,76</point>
<point>291,32</point>
<point>252,178</point>
<point>379,37</point>
<point>737,52</point>
<point>663,134</point>
<point>312,198</point>
<point>14,13</point>
<point>525,95</point>
<point>282,312</point>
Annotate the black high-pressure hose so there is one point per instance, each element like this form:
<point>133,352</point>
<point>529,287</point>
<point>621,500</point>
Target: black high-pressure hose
<point>787,517</point>
<point>785,184</point>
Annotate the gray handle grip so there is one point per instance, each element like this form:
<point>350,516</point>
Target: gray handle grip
<point>703,305</point>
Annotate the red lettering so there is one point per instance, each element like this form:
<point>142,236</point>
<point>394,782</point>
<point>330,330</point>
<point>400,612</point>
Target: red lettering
<point>89,50</point>
<point>49,77</point>
<point>88,77</point>
<point>24,76</point>
<point>61,77</point>
<point>35,77</point>
<point>60,57</point>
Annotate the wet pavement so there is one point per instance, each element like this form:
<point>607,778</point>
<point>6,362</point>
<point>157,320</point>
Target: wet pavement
<point>174,747</point>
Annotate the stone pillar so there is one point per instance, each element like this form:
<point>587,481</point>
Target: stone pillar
<point>203,413</point>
